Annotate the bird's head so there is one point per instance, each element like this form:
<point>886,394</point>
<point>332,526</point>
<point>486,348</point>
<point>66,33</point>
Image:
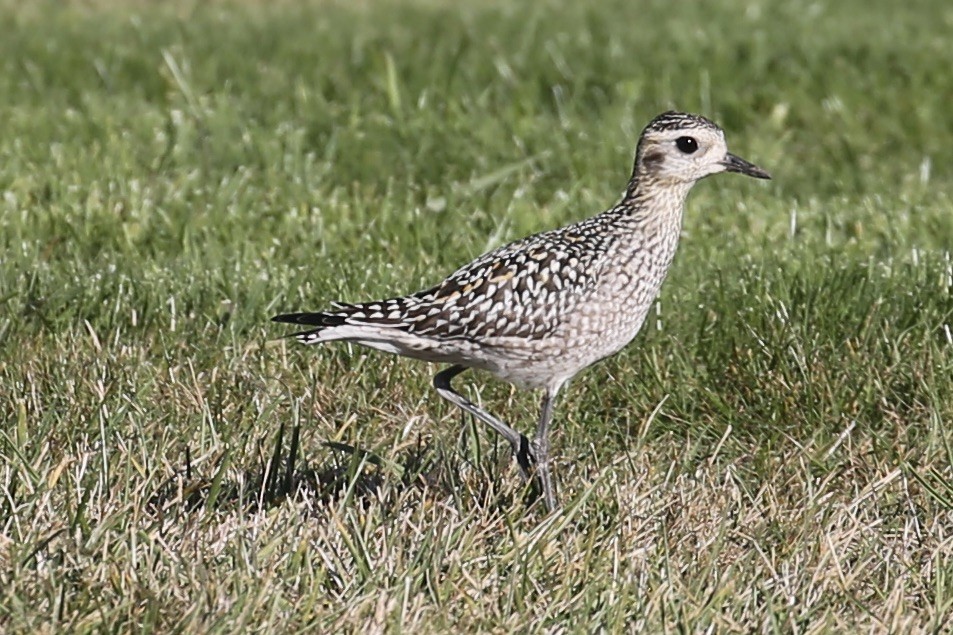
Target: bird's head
<point>679,148</point>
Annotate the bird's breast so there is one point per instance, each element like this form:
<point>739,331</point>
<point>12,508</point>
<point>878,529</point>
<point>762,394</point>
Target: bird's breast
<point>621,300</point>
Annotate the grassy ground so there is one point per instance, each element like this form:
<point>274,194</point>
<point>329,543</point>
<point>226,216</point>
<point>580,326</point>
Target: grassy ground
<point>772,454</point>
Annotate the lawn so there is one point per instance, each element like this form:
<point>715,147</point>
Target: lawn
<point>772,454</point>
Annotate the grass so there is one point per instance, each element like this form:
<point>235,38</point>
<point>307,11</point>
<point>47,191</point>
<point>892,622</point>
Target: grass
<point>772,454</point>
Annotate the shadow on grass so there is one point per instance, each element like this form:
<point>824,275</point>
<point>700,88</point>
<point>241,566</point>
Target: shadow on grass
<point>350,473</point>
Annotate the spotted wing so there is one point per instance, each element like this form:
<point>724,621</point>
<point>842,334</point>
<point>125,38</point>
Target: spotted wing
<point>524,289</point>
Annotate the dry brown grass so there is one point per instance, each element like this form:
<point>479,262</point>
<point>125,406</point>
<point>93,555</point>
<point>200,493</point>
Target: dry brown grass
<point>640,544</point>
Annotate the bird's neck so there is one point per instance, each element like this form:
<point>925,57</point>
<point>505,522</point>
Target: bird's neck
<point>647,223</point>
<point>654,202</point>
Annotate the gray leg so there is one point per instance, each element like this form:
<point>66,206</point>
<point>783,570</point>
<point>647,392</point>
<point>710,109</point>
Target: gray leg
<point>520,444</point>
<point>541,449</point>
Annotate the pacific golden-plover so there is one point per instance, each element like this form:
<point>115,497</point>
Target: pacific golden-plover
<point>537,311</point>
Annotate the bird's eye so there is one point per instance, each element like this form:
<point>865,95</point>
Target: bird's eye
<point>687,145</point>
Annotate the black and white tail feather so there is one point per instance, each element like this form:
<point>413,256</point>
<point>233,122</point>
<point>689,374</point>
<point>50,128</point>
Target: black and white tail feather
<point>347,322</point>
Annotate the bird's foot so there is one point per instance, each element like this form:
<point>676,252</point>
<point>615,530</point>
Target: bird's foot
<point>525,456</point>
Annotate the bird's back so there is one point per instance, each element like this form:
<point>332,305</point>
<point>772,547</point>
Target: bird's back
<point>523,290</point>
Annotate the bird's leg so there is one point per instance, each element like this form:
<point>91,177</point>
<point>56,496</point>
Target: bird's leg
<point>519,443</point>
<point>541,449</point>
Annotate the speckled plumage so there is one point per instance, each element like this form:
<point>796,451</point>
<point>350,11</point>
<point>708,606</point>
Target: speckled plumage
<point>537,311</point>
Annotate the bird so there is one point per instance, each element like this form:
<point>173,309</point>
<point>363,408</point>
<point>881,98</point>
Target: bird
<point>537,311</point>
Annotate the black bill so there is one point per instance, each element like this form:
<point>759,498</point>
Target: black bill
<point>739,165</point>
